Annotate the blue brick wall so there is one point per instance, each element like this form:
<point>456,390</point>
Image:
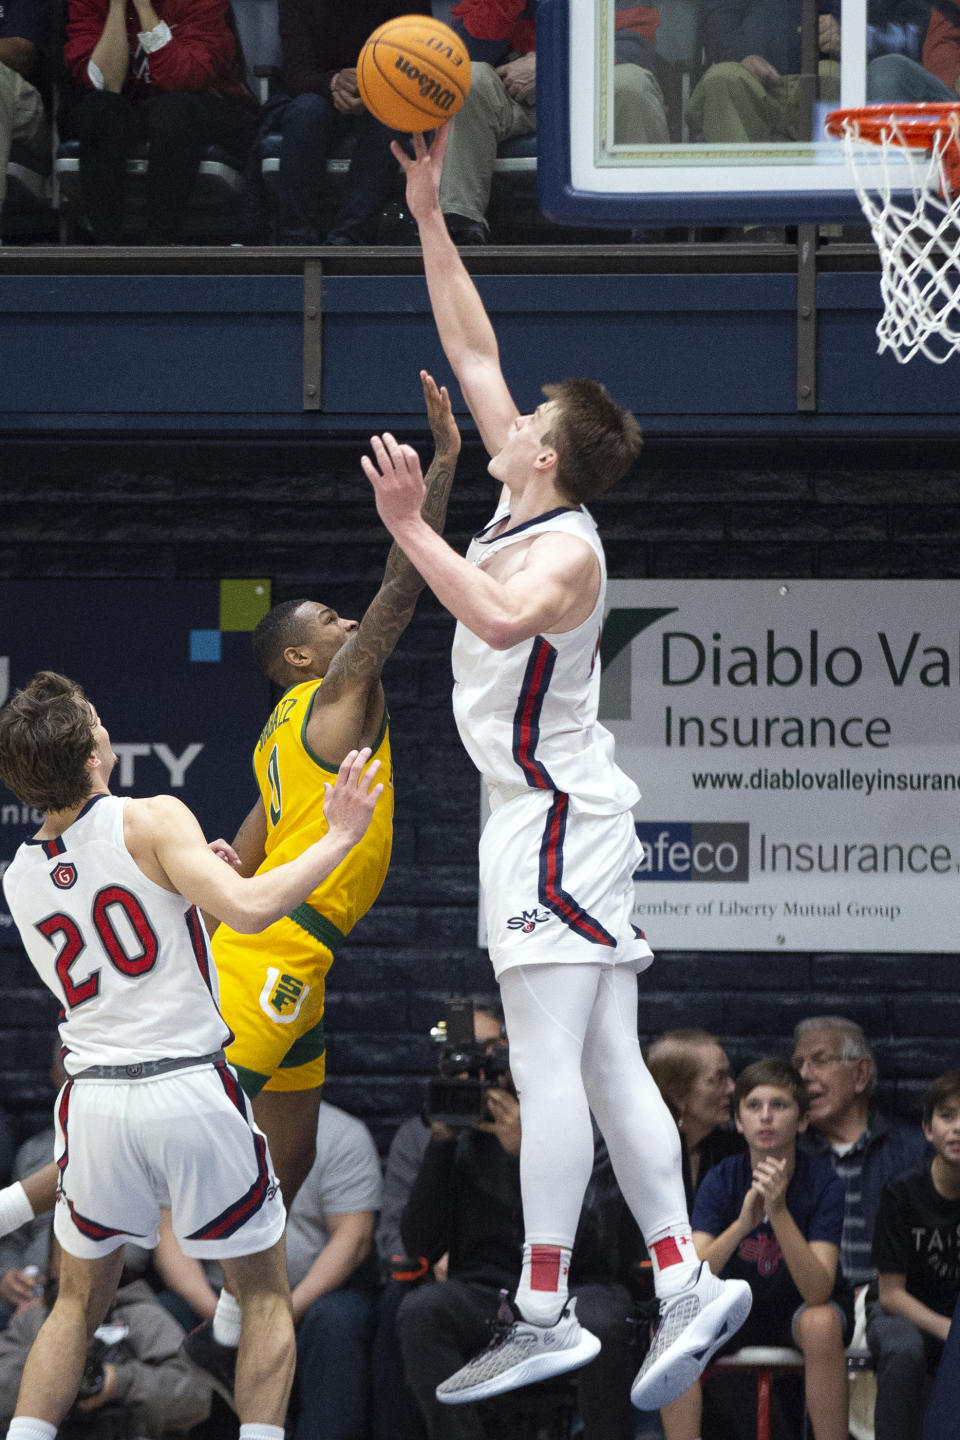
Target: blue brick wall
<point>302,515</point>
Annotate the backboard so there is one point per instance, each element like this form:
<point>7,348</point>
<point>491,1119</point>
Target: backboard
<point>587,177</point>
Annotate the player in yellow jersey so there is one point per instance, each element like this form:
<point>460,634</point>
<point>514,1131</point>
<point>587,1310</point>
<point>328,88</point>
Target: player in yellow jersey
<point>272,985</point>
<point>272,991</point>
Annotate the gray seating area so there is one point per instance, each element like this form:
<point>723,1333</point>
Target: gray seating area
<point>42,201</point>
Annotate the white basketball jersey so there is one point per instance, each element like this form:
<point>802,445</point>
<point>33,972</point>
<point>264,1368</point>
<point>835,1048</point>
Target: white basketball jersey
<point>129,961</point>
<point>528,715</point>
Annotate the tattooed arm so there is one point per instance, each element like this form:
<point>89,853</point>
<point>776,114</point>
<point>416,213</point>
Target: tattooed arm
<point>354,676</point>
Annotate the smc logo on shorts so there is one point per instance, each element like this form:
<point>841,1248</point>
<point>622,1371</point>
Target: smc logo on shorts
<point>528,921</point>
<point>63,876</point>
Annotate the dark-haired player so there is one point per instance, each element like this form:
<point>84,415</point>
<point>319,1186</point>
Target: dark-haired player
<point>330,670</point>
<point>272,983</point>
<point>560,847</point>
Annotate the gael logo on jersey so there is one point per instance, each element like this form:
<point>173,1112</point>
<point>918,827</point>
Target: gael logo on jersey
<point>63,876</point>
<point>528,920</point>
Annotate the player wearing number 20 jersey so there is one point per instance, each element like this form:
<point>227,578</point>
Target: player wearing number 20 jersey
<point>273,983</point>
<point>93,924</point>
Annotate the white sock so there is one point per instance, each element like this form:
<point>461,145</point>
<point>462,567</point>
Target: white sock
<point>15,1210</point>
<point>675,1263</point>
<point>227,1320</point>
<point>542,1292</point>
<point>25,1427</point>
<point>261,1432</point>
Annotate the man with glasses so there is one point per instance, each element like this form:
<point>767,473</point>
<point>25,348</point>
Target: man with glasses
<point>866,1150</point>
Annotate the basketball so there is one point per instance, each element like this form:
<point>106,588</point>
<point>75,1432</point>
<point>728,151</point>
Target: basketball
<point>413,73</point>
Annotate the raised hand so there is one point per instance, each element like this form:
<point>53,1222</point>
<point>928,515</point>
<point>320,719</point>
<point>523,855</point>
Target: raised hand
<point>771,1179</point>
<point>446,433</point>
<point>350,803</point>
<point>423,171</point>
<point>752,1210</point>
<point>396,479</point>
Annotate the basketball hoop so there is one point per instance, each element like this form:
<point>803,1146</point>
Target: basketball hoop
<point>914,214</point>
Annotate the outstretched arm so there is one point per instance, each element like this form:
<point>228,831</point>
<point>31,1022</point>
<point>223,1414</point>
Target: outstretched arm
<point>462,323</point>
<point>361,660</point>
<point>167,843</point>
<point>558,578</point>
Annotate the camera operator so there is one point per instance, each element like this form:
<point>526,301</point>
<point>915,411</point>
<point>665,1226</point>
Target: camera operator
<point>395,1417</point>
<point>465,1204</point>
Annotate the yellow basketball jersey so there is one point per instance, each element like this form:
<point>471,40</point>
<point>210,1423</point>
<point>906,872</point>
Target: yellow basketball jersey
<point>291,779</point>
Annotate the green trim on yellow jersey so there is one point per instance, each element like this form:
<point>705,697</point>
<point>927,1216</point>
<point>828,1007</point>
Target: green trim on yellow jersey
<point>324,764</point>
<point>308,1046</point>
<point>251,1082</point>
<point>317,925</point>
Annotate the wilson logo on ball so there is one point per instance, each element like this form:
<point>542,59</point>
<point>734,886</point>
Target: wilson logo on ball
<point>413,73</point>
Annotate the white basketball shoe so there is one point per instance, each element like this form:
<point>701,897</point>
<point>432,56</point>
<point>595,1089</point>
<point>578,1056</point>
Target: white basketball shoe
<point>520,1353</point>
<point>694,1323</point>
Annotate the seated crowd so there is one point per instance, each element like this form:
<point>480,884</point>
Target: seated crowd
<point>171,74</point>
<point>843,1221</point>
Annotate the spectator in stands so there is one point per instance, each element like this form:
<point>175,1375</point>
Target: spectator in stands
<point>773,1217</point>
<point>24,26</point>
<point>501,104</point>
<point>896,66</point>
<point>693,1075</point>
<point>751,92</point>
<point>395,1416</point>
<point>321,40</point>
<point>333,1282</point>
<point>138,1382</point>
<point>163,71</point>
<point>28,1246</point>
<point>866,1150</point>
<point>916,1251</point>
<point>465,1204</point>
<point>941,50</point>
<point>24,1252</point>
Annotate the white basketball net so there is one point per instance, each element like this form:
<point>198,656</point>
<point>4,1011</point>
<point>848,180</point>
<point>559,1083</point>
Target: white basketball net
<point>918,236</point>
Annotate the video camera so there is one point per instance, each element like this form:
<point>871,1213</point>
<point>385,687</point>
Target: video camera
<point>468,1071</point>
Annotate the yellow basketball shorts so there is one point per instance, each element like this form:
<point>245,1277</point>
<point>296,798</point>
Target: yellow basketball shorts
<point>272,997</point>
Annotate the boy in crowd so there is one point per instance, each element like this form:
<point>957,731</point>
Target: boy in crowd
<point>916,1249</point>
<point>773,1217</point>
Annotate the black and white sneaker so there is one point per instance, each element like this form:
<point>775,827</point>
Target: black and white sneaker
<point>519,1354</point>
<point>693,1325</point>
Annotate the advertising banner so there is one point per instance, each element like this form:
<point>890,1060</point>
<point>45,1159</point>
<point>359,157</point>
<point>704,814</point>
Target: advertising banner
<point>169,667</point>
<point>797,745</point>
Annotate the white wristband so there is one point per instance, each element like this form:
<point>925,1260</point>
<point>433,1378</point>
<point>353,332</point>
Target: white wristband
<point>156,38</point>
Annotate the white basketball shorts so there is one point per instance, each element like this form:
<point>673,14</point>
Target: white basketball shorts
<point>558,883</point>
<point>184,1140</point>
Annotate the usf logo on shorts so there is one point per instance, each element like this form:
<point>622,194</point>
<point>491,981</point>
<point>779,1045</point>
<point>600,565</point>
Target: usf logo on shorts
<point>282,996</point>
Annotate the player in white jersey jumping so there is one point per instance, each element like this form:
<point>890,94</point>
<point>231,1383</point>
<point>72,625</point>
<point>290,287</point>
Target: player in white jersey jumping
<point>107,898</point>
<point>558,853</point>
